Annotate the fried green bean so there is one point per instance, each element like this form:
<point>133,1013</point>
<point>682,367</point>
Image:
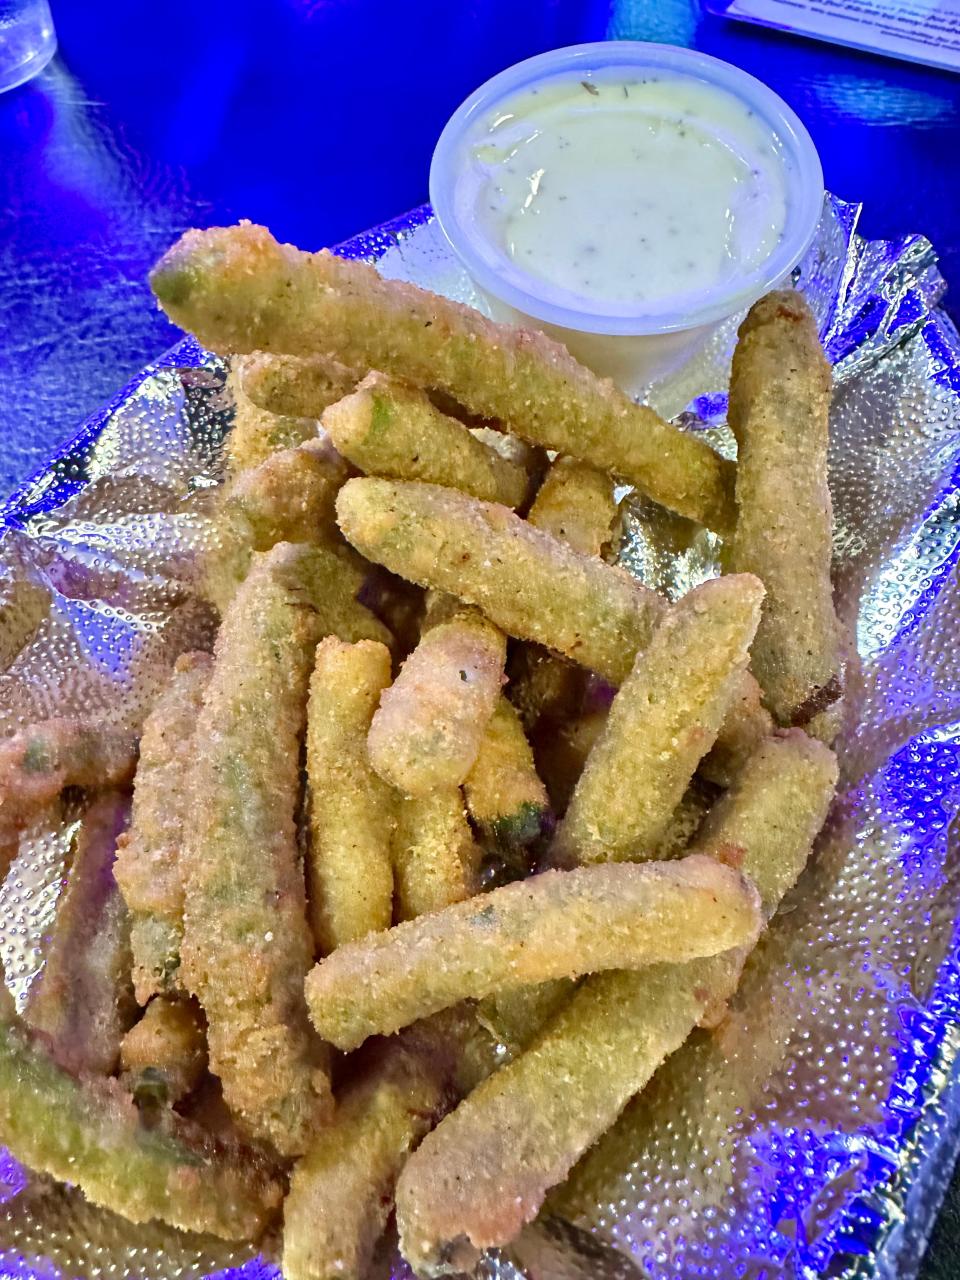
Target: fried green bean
<point>164,1055</point>
<point>575,503</point>
<point>81,1004</point>
<point>293,386</point>
<point>482,1174</point>
<point>505,798</point>
<point>745,727</point>
<point>289,497</point>
<point>526,582</point>
<point>341,1192</point>
<point>255,433</point>
<point>665,717</point>
<point>352,810</point>
<point>485,1170</point>
<point>435,860</point>
<point>779,408</point>
<point>769,817</point>
<point>91,1134</point>
<point>147,866</point>
<point>24,605</point>
<point>387,428</point>
<point>237,289</point>
<point>426,733</point>
<point>65,751</point>
<point>246,944</point>
<point>559,924</point>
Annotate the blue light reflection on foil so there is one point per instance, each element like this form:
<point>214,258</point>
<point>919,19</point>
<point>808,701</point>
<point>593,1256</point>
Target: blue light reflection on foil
<point>837,1204</point>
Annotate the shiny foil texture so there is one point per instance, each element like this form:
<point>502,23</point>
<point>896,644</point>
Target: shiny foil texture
<point>813,1132</point>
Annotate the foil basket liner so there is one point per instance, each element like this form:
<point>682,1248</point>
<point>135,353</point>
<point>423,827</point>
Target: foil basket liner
<point>813,1132</point>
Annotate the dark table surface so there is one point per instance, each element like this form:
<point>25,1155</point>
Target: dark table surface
<point>318,117</point>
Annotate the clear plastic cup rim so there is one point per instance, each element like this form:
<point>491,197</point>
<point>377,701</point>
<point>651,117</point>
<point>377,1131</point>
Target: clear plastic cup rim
<point>804,179</point>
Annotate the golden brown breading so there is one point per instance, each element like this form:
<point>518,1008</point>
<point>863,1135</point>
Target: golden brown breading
<point>779,409</point>
<point>387,428</point>
<point>147,869</point>
<point>435,859</point>
<point>65,751</point>
<point>505,798</point>
<point>82,1002</point>
<point>559,924</point>
<point>90,1133</point>
<point>485,1170</point>
<point>246,943</point>
<point>164,1055</point>
<point>352,810</point>
<point>528,583</point>
<point>426,733</point>
<point>664,718</point>
<point>255,433</point>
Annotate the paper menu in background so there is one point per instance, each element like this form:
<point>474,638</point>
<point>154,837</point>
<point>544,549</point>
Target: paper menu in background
<point>926,31</point>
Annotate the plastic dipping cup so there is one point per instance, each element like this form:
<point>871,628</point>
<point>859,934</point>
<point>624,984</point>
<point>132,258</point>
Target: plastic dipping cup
<point>27,40</point>
<point>633,341</point>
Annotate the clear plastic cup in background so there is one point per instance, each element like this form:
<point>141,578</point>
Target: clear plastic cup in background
<point>636,349</point>
<point>27,40</point>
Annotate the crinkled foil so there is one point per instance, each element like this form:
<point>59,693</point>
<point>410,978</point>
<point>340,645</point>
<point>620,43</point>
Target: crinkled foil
<point>812,1133</point>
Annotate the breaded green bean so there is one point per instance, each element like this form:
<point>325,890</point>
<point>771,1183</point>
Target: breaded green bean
<point>515,1016</point>
<point>24,605</point>
<point>65,751</point>
<point>575,503</point>
<point>289,497</point>
<point>239,290</point>
<point>779,408</point>
<point>435,860</point>
<point>90,1134</point>
<point>663,720</point>
<point>293,386</point>
<point>426,733</point>
<point>352,810</point>
<point>341,1192</point>
<point>255,433</point>
<point>246,942</point>
<point>746,725</point>
<point>559,924</point>
<point>388,428</point>
<point>505,798</point>
<point>147,866</point>
<point>163,1057</point>
<point>485,1170</point>
<point>526,582</point>
<point>767,820</point>
<point>81,1004</point>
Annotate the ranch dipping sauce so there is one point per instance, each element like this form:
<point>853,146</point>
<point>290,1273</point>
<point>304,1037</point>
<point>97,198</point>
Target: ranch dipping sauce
<point>638,192</point>
<point>626,198</point>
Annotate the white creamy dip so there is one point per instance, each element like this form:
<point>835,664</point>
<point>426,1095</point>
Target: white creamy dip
<point>624,191</point>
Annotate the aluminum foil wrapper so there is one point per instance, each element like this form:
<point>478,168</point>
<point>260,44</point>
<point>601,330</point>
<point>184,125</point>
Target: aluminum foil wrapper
<point>812,1133</point>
